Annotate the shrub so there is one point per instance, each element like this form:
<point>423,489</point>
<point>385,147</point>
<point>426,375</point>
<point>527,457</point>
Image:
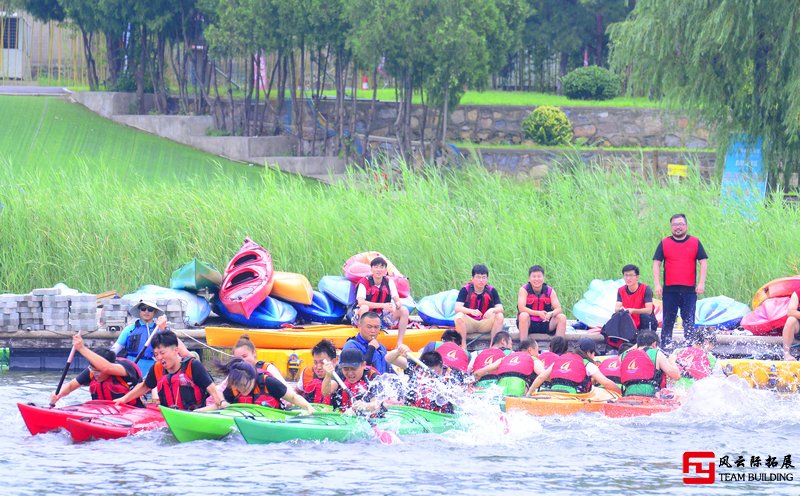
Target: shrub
<point>591,83</point>
<point>548,126</point>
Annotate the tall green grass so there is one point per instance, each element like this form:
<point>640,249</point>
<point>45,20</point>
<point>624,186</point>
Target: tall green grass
<point>96,220</point>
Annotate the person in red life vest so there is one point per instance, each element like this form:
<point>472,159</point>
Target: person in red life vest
<point>680,254</point>
<point>245,384</point>
<point>791,330</point>
<point>696,362</point>
<point>478,308</point>
<point>644,368</point>
<point>378,293</point>
<point>310,383</point>
<point>181,383</point>
<point>557,347</point>
<point>366,341</point>
<point>636,298</point>
<point>357,377</point>
<point>574,372</point>
<point>482,366</point>
<point>107,376</point>
<point>517,371</point>
<point>610,367</point>
<point>428,389</point>
<point>448,336</point>
<point>539,308</point>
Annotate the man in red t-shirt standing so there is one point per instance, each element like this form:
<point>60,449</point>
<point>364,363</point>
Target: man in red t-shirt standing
<point>680,254</point>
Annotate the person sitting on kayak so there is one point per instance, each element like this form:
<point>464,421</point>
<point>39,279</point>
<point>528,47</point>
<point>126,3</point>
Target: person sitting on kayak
<point>378,293</point>
<point>478,308</point>
<point>245,384</point>
<point>696,361</point>
<point>517,371</point>
<point>181,383</point>
<point>310,383</point>
<point>791,329</point>
<point>644,369</point>
<point>539,310</point>
<point>481,367</point>
<point>366,341</point>
<point>574,372</point>
<point>107,376</point>
<point>429,385</point>
<point>448,336</point>
<point>357,377</point>
<point>636,298</point>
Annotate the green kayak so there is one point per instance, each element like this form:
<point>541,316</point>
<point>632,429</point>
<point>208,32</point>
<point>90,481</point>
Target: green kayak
<point>193,426</point>
<point>402,420</point>
<point>196,275</point>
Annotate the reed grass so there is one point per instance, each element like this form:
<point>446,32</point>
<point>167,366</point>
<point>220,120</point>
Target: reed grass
<point>97,221</point>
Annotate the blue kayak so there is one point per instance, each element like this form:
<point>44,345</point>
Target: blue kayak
<point>323,309</point>
<point>339,288</point>
<point>438,309</point>
<point>195,310</point>
<point>720,312</point>
<point>272,313</point>
<point>597,304</point>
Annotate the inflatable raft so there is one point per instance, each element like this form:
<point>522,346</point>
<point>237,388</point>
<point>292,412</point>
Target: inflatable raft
<point>288,362</point>
<point>548,403</point>
<point>765,374</point>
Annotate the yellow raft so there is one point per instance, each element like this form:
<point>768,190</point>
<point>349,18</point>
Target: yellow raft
<point>547,403</point>
<point>288,362</point>
<point>765,374</point>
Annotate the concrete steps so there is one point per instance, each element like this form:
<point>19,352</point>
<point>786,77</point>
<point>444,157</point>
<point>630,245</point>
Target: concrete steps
<point>325,169</point>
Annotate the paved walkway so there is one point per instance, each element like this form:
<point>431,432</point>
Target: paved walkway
<point>33,90</point>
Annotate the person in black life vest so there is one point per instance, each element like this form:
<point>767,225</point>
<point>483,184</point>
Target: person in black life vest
<point>644,368</point>
<point>539,308</point>
<point>478,308</point>
<point>245,384</point>
<point>181,383</point>
<point>636,298</point>
<point>107,376</point>
<point>310,383</point>
<point>357,377</point>
<point>791,330</point>
<point>148,319</point>
<point>378,293</point>
<point>680,254</point>
<point>574,372</point>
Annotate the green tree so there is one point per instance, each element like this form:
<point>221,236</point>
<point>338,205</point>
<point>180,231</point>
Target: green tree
<point>734,63</point>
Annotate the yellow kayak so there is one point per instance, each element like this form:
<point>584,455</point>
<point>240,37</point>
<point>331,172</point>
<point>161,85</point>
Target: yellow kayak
<point>546,403</point>
<point>765,374</point>
<point>292,287</point>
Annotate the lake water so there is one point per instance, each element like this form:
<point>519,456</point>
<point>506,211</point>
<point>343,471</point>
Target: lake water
<point>587,453</point>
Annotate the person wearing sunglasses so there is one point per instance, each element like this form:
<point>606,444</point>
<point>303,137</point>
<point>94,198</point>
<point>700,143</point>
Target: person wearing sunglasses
<point>147,319</point>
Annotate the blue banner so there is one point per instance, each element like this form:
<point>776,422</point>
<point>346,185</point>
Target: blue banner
<point>744,180</point>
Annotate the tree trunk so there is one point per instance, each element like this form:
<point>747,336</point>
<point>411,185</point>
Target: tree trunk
<point>371,115</point>
<point>296,110</point>
<point>598,60</point>
<point>219,112</point>
<point>562,70</point>
<point>90,65</point>
<point>140,67</point>
<point>351,148</point>
<point>229,77</point>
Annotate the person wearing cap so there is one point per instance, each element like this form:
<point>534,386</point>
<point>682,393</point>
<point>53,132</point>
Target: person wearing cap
<point>356,376</point>
<point>378,293</point>
<point>644,369</point>
<point>147,318</point>
<point>366,341</point>
<point>107,376</point>
<point>574,372</point>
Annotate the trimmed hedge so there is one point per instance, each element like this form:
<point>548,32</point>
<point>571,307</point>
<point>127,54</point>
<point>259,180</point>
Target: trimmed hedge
<point>548,126</point>
<point>591,83</point>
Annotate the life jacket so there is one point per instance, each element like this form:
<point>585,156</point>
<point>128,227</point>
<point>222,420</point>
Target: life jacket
<point>453,356</point>
<point>137,339</point>
<point>478,301</point>
<point>312,388</point>
<point>518,364</point>
<point>178,390</point>
<point>680,261</point>
<point>610,367</point>
<point>487,357</point>
<point>635,300</point>
<point>538,302</point>
<point>115,386</point>
<point>423,394</point>
<point>377,294</point>
<point>694,363</point>
<point>639,367</point>
<point>355,390</point>
<point>259,395</point>
<point>548,358</point>
<point>569,374</point>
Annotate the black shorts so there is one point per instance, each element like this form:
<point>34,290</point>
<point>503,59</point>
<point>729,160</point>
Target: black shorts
<point>538,327</point>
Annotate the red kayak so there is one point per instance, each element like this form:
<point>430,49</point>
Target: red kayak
<point>357,267</point>
<point>777,288</point>
<point>41,419</point>
<point>248,279</point>
<point>116,426</point>
<point>768,318</point>
<point>634,406</point>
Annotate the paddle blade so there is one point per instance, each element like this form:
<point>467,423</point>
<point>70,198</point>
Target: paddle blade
<point>385,437</point>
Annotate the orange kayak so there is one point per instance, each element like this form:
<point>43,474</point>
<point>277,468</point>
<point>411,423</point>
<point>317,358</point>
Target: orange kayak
<point>783,286</point>
<point>546,403</point>
<point>634,406</point>
<point>291,287</point>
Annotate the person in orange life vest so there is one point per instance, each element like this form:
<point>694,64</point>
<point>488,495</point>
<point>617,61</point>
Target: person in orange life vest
<point>107,376</point>
<point>643,369</point>
<point>448,336</point>
<point>539,308</point>
<point>637,299</point>
<point>791,329</point>
<point>680,254</point>
<point>499,348</point>
<point>478,308</point>
<point>357,377</point>
<point>378,293</point>
<point>245,384</point>
<point>310,383</point>
<point>574,372</point>
<point>426,388</point>
<point>181,383</point>
<point>366,341</point>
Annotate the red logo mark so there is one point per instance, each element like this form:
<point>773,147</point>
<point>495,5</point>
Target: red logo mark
<point>693,465</point>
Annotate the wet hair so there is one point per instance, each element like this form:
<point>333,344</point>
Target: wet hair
<point>324,347</point>
<point>238,371</point>
<point>527,343</point>
<point>558,345</point>
<point>630,267</point>
<point>480,269</point>
<point>245,342</point>
<point>535,268</point>
<point>370,315</point>
<point>164,339</point>
<point>452,336</point>
<point>378,261</point>
<point>704,334</point>
<point>646,339</point>
<point>678,216</point>
<point>432,359</point>
<point>500,336</point>
<point>107,354</point>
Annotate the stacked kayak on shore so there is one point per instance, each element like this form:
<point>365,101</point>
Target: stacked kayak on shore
<point>95,419</point>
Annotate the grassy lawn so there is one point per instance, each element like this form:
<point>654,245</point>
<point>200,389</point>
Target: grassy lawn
<point>469,145</point>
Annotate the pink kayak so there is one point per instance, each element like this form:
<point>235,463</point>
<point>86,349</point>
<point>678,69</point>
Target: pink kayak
<point>768,318</point>
<point>116,426</point>
<point>248,279</point>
